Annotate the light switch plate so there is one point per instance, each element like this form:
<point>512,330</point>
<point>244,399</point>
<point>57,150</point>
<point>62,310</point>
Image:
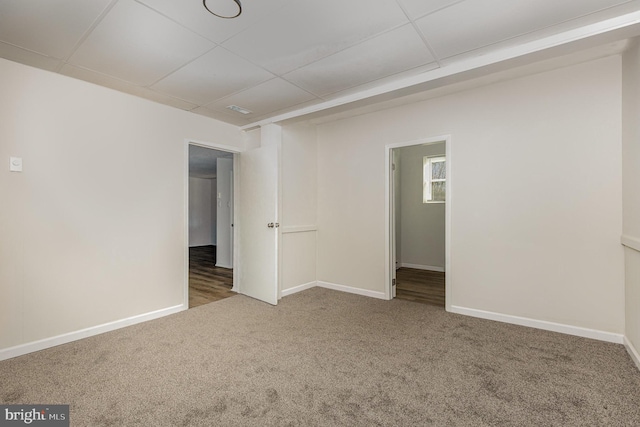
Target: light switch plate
<point>15,164</point>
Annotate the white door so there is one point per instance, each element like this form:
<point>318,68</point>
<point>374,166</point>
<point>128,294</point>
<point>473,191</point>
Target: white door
<point>224,219</point>
<point>257,227</point>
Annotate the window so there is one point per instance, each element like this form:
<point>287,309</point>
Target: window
<point>434,179</point>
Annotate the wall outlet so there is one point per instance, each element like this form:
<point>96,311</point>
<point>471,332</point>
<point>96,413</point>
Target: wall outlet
<point>15,164</point>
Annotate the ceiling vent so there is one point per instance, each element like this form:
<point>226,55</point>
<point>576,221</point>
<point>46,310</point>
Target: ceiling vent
<point>239,109</point>
<point>227,9</point>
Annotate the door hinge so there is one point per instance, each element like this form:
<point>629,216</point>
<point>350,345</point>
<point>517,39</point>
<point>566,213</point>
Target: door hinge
<point>393,166</point>
<point>393,282</point>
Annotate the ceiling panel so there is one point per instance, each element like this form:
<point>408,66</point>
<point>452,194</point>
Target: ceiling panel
<point>51,28</point>
<point>417,8</point>
<point>214,75</point>
<point>279,55</point>
<point>383,81</point>
<point>387,54</point>
<point>193,15</point>
<point>122,86</point>
<point>267,97</point>
<point>138,45</point>
<point>308,30</point>
<point>473,24</point>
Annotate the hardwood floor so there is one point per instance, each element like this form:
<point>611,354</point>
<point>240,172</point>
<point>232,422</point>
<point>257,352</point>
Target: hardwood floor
<point>207,283</point>
<point>422,286</point>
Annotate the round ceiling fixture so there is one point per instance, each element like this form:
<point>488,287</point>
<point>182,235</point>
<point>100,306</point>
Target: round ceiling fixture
<point>223,8</point>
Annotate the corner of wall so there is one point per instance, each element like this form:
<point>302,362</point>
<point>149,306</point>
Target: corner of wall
<point>633,352</point>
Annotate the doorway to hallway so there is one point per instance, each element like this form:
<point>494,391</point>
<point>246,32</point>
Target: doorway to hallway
<point>419,220</point>
<point>422,286</point>
<point>210,225</point>
<point>253,208</point>
<point>207,283</point>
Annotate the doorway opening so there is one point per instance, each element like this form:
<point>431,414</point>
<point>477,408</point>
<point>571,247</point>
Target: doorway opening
<point>418,212</point>
<point>210,225</point>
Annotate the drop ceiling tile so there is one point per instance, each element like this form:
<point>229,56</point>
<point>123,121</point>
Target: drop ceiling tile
<point>51,28</point>
<point>135,44</point>
<point>308,30</point>
<point>27,57</point>
<point>383,81</point>
<point>384,55</point>
<point>268,97</point>
<point>418,8</point>
<point>474,24</point>
<point>122,86</point>
<point>214,75</point>
<point>193,15</point>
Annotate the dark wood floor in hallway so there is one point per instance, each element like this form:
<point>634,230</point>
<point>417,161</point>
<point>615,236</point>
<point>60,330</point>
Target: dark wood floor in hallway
<point>422,286</point>
<point>207,283</point>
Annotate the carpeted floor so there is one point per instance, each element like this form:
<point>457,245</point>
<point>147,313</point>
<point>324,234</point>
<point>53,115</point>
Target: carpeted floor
<point>323,357</point>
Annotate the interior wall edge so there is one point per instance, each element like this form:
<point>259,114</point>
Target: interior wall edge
<point>22,349</point>
<point>541,324</point>
<point>423,267</point>
<point>299,288</point>
<point>352,290</point>
<point>630,242</point>
<point>633,352</point>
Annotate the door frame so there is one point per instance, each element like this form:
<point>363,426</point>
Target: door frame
<point>236,187</point>
<point>389,268</point>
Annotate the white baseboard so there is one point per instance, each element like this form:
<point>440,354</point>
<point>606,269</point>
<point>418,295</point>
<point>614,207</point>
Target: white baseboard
<point>541,324</point>
<point>298,288</point>
<point>335,287</point>
<point>633,352</point>
<point>225,266</point>
<point>422,267</point>
<point>22,349</point>
<point>349,289</point>
<point>630,242</point>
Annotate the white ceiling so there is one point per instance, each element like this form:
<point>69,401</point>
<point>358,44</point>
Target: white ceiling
<point>279,55</point>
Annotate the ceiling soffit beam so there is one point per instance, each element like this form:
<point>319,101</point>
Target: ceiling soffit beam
<point>614,29</point>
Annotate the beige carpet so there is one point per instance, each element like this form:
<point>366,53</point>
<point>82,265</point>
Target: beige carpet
<point>323,357</point>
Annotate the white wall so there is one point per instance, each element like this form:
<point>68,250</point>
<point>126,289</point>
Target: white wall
<point>535,226</point>
<point>95,230</point>
<point>422,225</point>
<point>202,212</point>
<point>631,192</point>
<point>224,250</point>
<point>299,206</point>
